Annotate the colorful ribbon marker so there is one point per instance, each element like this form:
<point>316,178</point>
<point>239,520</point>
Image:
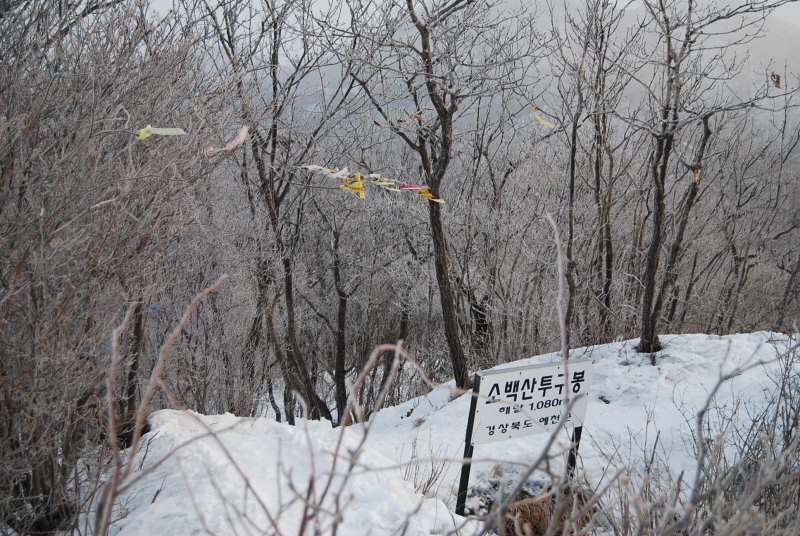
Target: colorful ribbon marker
<point>149,130</point>
<point>539,118</point>
<point>354,182</point>
<point>233,144</point>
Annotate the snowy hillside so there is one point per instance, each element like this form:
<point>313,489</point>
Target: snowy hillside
<point>398,474</point>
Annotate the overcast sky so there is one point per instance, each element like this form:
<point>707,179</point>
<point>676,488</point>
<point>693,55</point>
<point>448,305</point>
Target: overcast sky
<point>778,46</point>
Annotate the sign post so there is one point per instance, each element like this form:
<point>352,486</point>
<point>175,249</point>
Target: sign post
<point>463,484</point>
<point>521,401</point>
<point>572,458</point>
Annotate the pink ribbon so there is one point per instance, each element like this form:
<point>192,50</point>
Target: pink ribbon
<point>233,144</point>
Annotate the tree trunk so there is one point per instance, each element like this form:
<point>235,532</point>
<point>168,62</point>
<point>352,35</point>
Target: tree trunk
<point>649,342</point>
<point>442,152</point>
<point>449,312</point>
<point>292,361</point>
<point>252,344</point>
<point>125,427</point>
<point>569,272</point>
<point>341,326</point>
<point>296,359</point>
<point>788,295</point>
<point>671,270</point>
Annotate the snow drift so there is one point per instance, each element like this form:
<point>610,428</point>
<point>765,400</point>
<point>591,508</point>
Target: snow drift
<point>398,473</point>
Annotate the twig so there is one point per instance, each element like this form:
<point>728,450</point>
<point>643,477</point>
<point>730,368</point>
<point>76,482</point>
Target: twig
<point>162,358</point>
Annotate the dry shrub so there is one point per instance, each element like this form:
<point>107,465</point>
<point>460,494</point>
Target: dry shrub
<point>747,480</point>
<point>531,515</point>
<point>88,221</point>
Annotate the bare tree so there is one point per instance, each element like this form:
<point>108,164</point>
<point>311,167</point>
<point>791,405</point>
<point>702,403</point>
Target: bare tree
<point>86,211</point>
<point>682,105</point>
<point>272,56</point>
<point>422,67</point>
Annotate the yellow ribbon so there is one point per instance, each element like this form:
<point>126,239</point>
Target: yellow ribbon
<point>148,131</point>
<point>426,193</point>
<point>539,118</point>
<point>357,186</point>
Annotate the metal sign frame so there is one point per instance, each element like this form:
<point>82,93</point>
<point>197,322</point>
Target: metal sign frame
<point>533,399</point>
<point>521,401</point>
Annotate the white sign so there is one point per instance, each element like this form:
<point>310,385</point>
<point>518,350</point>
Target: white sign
<point>522,401</point>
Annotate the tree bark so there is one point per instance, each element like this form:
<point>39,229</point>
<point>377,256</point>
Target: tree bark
<point>649,342</point>
<point>449,312</point>
<point>341,326</point>
<point>670,270</point>
<point>436,171</point>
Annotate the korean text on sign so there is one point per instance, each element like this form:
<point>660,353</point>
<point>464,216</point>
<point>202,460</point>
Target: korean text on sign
<point>528,400</point>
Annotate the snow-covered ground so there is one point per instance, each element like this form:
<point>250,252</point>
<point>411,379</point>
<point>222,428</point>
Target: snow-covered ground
<point>398,474</point>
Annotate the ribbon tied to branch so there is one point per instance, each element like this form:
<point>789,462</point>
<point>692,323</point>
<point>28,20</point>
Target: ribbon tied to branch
<point>354,182</point>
